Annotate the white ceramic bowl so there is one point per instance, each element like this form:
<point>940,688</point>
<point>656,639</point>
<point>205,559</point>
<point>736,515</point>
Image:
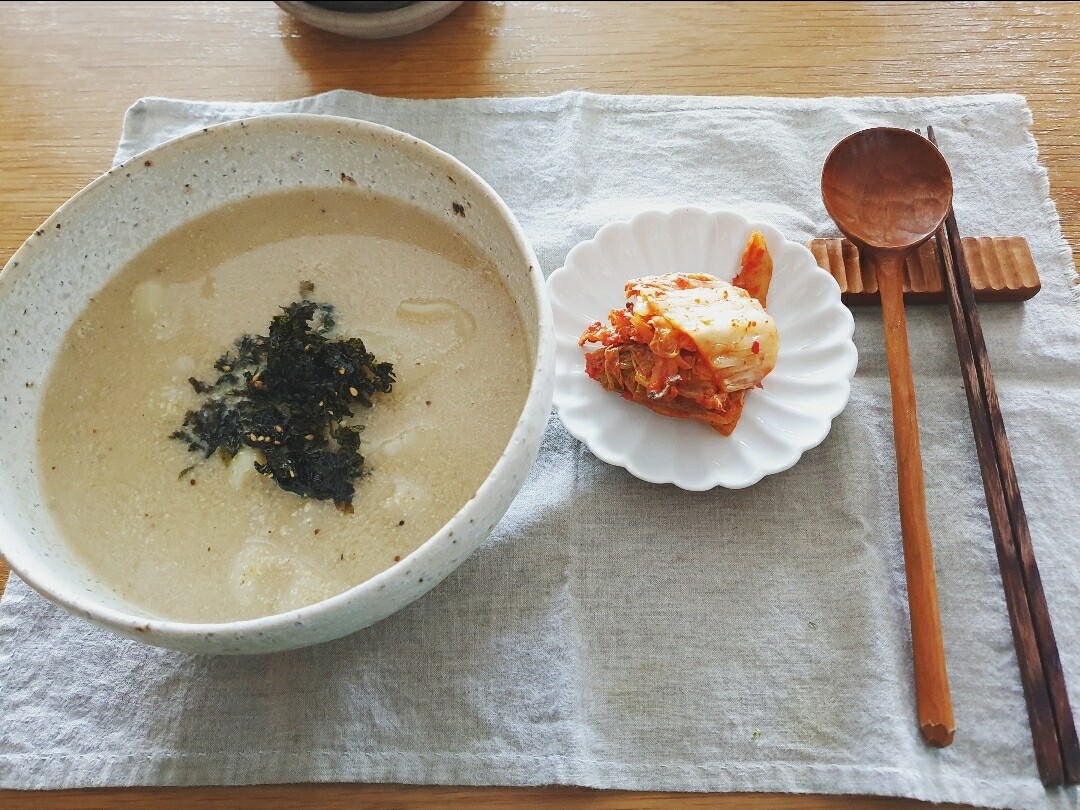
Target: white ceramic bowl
<point>48,281</point>
<point>792,411</point>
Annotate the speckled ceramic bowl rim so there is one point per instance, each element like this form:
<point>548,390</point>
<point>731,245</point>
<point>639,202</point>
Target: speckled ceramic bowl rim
<point>537,400</point>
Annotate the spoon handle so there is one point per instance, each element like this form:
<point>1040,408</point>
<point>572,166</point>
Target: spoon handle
<point>932,698</point>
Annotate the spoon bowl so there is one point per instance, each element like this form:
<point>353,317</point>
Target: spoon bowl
<point>886,188</point>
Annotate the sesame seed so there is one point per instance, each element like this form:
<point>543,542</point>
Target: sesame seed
<point>354,392</point>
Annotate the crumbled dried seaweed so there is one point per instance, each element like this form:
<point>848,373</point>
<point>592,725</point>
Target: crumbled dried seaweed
<point>289,395</point>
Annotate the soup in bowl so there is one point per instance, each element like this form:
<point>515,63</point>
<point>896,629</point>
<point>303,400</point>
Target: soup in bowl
<point>267,384</point>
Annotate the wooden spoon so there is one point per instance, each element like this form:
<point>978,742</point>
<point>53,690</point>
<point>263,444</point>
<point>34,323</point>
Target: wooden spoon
<point>889,190</point>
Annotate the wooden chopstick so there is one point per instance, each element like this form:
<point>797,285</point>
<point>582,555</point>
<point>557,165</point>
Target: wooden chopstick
<point>1053,732</point>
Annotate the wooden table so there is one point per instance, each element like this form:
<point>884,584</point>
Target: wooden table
<point>68,71</point>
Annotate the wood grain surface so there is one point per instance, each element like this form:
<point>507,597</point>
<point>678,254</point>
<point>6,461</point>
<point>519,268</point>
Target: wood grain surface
<point>68,72</point>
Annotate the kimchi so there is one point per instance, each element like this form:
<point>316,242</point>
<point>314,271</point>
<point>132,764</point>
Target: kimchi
<point>688,344</point>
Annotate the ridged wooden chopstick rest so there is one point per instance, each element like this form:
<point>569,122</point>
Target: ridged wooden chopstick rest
<point>1001,269</point>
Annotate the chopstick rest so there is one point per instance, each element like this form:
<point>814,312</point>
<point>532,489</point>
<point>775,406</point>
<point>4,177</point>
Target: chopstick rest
<point>1001,269</point>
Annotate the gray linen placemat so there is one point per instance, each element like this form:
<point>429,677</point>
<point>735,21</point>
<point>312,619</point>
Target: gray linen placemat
<point>616,634</point>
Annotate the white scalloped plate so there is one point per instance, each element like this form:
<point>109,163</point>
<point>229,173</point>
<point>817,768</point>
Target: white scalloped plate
<point>792,411</point>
